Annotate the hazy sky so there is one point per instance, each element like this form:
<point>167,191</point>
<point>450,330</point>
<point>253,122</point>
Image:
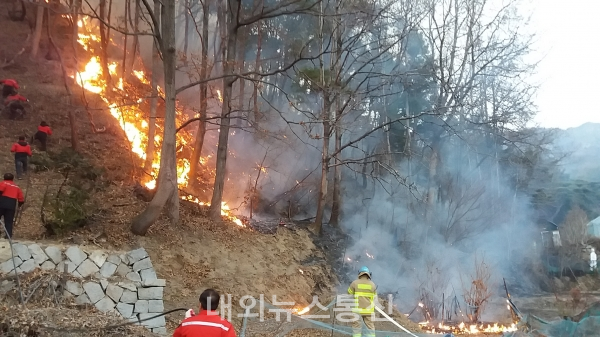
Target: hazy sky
<point>567,42</point>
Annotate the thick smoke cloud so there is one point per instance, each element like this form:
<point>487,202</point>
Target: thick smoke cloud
<point>484,218</point>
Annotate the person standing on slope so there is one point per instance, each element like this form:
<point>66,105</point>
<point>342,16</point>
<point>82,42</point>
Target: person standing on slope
<point>22,150</point>
<point>42,134</point>
<point>365,293</point>
<point>10,196</point>
<point>207,323</point>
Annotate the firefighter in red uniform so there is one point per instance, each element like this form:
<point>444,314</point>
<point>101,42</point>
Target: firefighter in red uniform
<point>9,88</point>
<point>11,194</point>
<point>207,323</point>
<point>42,134</point>
<point>22,150</point>
<point>13,103</point>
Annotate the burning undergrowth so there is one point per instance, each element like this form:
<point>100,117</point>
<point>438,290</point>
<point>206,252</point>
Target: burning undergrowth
<point>128,99</point>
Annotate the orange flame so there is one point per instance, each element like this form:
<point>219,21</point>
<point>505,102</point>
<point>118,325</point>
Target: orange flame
<point>472,329</point>
<point>132,119</point>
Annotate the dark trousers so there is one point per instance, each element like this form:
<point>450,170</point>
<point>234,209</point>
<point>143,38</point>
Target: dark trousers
<point>16,110</point>
<point>8,90</point>
<point>8,215</point>
<point>43,138</point>
<point>21,165</point>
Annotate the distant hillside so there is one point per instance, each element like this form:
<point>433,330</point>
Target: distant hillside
<point>582,145</point>
<point>553,202</point>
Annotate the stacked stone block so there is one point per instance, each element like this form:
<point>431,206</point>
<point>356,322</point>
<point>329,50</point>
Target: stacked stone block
<point>119,283</point>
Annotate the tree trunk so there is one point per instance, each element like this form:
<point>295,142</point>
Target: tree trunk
<point>337,170</point>
<point>318,225</point>
<point>154,99</point>
<point>136,29</point>
<point>336,206</point>
<point>104,42</point>
<point>167,191</point>
<point>37,34</point>
<point>108,21</point>
<point>199,141</point>
<point>186,32</point>
<point>75,19</point>
<point>228,80</point>
<point>408,136</point>
<point>431,195</point>
<point>255,110</point>
<point>241,55</point>
<point>325,119</point>
<point>124,63</point>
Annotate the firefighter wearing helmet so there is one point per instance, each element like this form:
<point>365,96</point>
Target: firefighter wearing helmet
<point>365,293</point>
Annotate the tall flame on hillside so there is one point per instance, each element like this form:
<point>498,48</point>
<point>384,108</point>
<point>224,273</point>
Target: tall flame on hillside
<point>123,100</point>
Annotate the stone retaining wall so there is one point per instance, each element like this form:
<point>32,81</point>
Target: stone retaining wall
<point>120,283</point>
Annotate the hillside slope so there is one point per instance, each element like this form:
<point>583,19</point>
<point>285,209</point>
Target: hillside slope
<point>193,255</point>
<point>582,146</point>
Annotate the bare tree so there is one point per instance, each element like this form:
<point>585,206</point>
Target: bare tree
<point>469,41</point>
<point>204,72</point>
<point>477,289</point>
<point>37,35</point>
<point>154,93</point>
<point>167,192</point>
<point>233,12</point>
<point>573,231</point>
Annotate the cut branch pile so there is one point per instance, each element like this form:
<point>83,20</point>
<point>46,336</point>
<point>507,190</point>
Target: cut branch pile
<point>55,312</point>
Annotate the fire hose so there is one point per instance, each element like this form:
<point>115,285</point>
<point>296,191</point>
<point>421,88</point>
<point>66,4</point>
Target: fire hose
<point>12,252</point>
<point>394,322</point>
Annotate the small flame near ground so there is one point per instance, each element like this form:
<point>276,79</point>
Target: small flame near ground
<point>130,117</point>
<point>471,329</point>
<point>300,311</point>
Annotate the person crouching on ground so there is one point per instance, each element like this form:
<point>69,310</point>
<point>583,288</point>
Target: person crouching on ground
<point>207,323</point>
<point>11,194</point>
<point>22,150</point>
<point>15,107</point>
<point>9,87</point>
<point>42,134</point>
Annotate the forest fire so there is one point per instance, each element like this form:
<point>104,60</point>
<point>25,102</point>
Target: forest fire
<point>465,329</point>
<point>124,107</point>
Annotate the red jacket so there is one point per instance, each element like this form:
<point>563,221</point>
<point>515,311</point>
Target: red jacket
<point>13,98</point>
<point>10,83</point>
<point>10,190</point>
<point>45,129</point>
<point>21,147</point>
<point>9,193</point>
<point>205,325</point>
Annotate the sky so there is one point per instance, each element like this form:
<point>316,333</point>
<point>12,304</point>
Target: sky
<point>568,44</point>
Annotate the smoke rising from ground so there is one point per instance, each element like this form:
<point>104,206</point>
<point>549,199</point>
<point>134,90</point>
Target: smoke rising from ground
<point>433,254</point>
